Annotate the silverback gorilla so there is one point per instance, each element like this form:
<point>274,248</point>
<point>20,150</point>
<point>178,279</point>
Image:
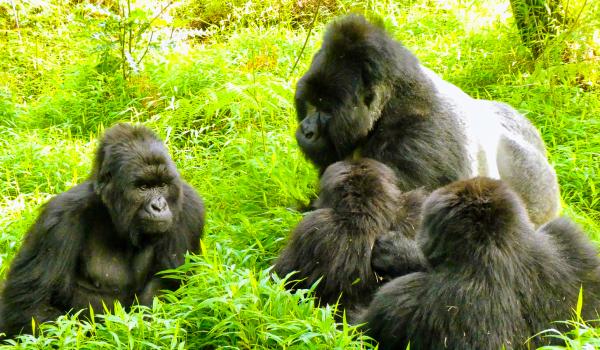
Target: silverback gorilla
<point>105,240</point>
<point>358,206</point>
<point>366,95</point>
<point>494,281</point>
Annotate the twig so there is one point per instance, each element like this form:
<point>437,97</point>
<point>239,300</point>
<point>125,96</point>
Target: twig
<point>146,51</point>
<point>312,25</point>
<point>122,42</point>
<point>14,6</point>
<point>129,30</point>
<point>147,25</point>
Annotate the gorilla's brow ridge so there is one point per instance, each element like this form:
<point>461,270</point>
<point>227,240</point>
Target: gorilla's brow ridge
<point>151,173</point>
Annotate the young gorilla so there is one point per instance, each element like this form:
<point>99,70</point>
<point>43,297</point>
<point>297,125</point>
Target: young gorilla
<point>494,281</point>
<point>359,204</point>
<point>366,94</point>
<point>105,240</point>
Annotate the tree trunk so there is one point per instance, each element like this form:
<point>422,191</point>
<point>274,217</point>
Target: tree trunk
<point>538,21</point>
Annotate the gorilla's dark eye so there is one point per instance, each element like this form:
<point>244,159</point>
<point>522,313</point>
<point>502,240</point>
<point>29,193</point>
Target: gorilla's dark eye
<point>142,184</point>
<point>146,185</point>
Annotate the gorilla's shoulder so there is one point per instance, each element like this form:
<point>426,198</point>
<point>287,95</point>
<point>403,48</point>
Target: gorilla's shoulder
<point>194,208</point>
<point>67,209</point>
<point>190,193</point>
<point>76,199</point>
<point>571,241</point>
<point>561,225</point>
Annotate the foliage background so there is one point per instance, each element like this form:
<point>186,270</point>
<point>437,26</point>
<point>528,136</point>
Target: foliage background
<point>215,79</point>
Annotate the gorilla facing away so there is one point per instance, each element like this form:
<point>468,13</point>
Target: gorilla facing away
<point>105,240</point>
<point>494,281</point>
<point>358,205</point>
<point>366,95</point>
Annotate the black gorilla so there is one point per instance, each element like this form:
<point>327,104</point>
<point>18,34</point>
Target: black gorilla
<point>367,95</point>
<point>494,281</point>
<point>358,205</point>
<point>106,239</point>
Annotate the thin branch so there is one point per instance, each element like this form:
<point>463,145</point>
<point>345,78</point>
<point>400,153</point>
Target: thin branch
<point>147,47</point>
<point>122,42</point>
<point>14,6</point>
<point>129,30</point>
<point>312,25</point>
<point>147,25</point>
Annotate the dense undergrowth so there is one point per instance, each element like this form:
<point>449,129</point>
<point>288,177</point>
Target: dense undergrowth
<point>216,82</point>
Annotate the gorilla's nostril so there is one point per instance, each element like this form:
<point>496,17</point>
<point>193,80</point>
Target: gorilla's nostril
<point>158,205</point>
<point>309,135</point>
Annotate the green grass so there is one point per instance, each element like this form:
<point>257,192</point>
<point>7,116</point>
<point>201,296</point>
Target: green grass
<point>223,103</point>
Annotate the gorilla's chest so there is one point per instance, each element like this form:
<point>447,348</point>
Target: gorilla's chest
<point>116,268</point>
<point>108,271</point>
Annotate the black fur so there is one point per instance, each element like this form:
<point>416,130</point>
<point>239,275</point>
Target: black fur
<point>396,252</point>
<point>105,240</point>
<point>494,281</point>
<point>359,204</point>
<point>366,95</point>
<point>405,130</point>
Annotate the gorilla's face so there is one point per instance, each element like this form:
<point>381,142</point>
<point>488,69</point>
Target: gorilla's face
<point>141,188</point>
<point>337,107</point>
<point>152,190</point>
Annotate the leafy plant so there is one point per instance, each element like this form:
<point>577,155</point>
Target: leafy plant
<point>124,36</point>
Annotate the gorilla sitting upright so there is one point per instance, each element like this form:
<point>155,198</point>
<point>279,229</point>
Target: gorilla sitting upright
<point>106,239</point>
<point>366,95</point>
<point>494,281</point>
<point>360,236</point>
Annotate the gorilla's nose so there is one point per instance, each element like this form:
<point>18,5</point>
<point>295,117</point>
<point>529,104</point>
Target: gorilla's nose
<point>310,128</point>
<point>157,205</point>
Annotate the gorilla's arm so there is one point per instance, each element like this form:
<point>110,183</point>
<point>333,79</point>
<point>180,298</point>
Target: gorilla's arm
<point>390,313</point>
<point>395,255</point>
<point>171,253</point>
<point>408,219</point>
<point>43,270</point>
<point>303,250</point>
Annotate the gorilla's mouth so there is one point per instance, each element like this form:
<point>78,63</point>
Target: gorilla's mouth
<point>155,225</point>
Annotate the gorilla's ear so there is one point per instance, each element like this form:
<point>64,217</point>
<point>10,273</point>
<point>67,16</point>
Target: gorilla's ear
<point>102,174</point>
<point>101,181</point>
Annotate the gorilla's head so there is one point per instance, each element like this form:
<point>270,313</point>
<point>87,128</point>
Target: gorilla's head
<point>137,181</point>
<point>361,189</point>
<point>342,96</point>
<point>466,218</point>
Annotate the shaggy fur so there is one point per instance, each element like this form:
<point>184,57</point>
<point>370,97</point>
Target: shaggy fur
<point>105,240</point>
<point>494,281</point>
<point>359,204</point>
<point>366,95</point>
